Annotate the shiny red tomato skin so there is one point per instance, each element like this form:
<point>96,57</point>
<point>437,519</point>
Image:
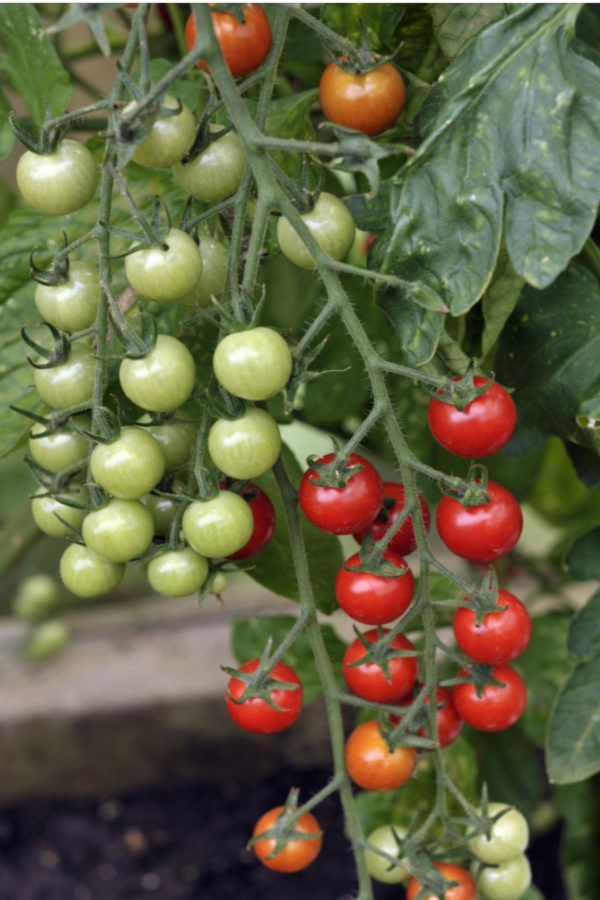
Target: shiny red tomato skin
<point>369,101</point>
<point>449,723</point>
<point>371,764</point>
<point>374,599</point>
<point>346,509</point>
<point>296,854</point>
<point>245,45</point>
<point>369,681</point>
<point>501,637</point>
<point>465,890</point>
<point>263,514</point>
<point>498,707</point>
<point>255,715</point>
<point>483,427</point>
<point>481,533</point>
<point>404,540</point>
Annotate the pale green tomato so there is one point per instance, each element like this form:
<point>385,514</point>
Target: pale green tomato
<point>130,466</point>
<point>507,881</point>
<point>59,450</point>
<point>86,574</point>
<point>170,137</point>
<point>219,583</point>
<point>217,172</point>
<point>120,531</point>
<point>165,275</point>
<point>176,439</point>
<point>177,573</point>
<point>46,512</point>
<point>509,836</point>
<point>58,183</point>
<point>71,383</point>
<point>254,364</point>
<point>331,225</point>
<point>214,273</point>
<point>162,510</point>
<point>48,639</point>
<point>218,527</point>
<point>379,868</point>
<point>73,305</point>
<point>161,380</point>
<point>246,447</point>
<point>36,596</point>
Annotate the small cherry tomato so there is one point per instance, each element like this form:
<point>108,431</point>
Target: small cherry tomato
<point>374,599</point>
<point>501,637</point>
<point>369,681</point>
<point>296,854</point>
<point>263,514</point>
<point>58,183</point>
<point>342,510</point>
<point>449,723</point>
<point>464,890</point>
<point>509,836</point>
<point>483,427</point>
<point>384,838</point>
<point>330,223</point>
<point>72,382</point>
<point>58,450</point>
<point>245,45</point>
<point>162,510</point>
<point>177,573</point>
<point>254,364</point>
<point>365,101</point>
<point>214,273</point>
<point>120,531</point>
<point>72,305</point>
<point>372,765</point>
<point>176,439</point>
<point>170,138</point>
<point>255,714</point>
<point>245,447</point>
<point>481,533</point>
<point>50,515</point>
<point>161,380</point>
<point>404,540</point>
<point>86,574</point>
<point>129,466</point>
<point>507,881</point>
<point>165,274</point>
<point>499,707</point>
<point>216,173</point>
<point>218,527</point>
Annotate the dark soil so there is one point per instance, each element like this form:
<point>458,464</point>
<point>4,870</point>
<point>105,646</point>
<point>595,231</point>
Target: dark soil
<point>187,844</point>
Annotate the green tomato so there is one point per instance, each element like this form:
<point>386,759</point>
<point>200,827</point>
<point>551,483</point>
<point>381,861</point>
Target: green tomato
<point>46,512</point>
<point>246,447</point>
<point>86,574</point>
<point>331,225</point>
<point>218,527</point>
<point>163,379</point>
<point>58,183</point>
<point>507,881</point>
<point>217,172</point>
<point>120,531</point>
<point>177,573</point>
<point>130,466</point>
<point>73,305</point>
<point>254,364</point>
<point>509,836</point>
<point>219,583</point>
<point>176,439</point>
<point>47,639</point>
<point>36,596</point>
<point>165,275</point>
<point>170,138</point>
<point>71,383</point>
<point>379,868</point>
<point>214,273</point>
<point>162,510</point>
<point>60,449</point>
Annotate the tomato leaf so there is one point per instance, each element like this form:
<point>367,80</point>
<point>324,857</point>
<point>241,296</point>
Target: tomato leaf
<point>499,300</point>
<point>582,561</point>
<point>289,118</point>
<point>543,666</point>
<point>455,25</point>
<point>510,768</point>
<point>379,19</point>
<point>580,839</point>
<point>7,138</point>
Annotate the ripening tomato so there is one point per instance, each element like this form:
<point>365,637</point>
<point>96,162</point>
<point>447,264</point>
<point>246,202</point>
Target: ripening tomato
<point>255,714</point>
<point>244,45</point>
<point>296,854</point>
<point>346,509</point>
<point>263,514</point>
<point>501,637</point>
<point>404,540</point>
<point>498,707</point>
<point>374,599</point>
<point>481,533</point>
<point>449,723</point>
<point>372,765</point>
<point>368,679</point>
<point>365,101</point>
<point>483,427</point>
<point>464,890</point>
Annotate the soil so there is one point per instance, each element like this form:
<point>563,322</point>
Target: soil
<point>187,844</point>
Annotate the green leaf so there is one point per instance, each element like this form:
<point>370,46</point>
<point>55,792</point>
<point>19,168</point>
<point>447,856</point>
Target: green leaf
<point>418,329</point>
<point>419,52</point>
<point>455,25</point>
<point>580,839</point>
<point>371,213</point>
<point>573,744</point>
<point>7,138</point>
<point>289,118</point>
<point>499,300</point>
<point>582,561</point>
<point>30,61</point>
<point>543,666</point>
<point>510,768</point>
<point>249,638</point>
<point>340,392</point>
<point>584,633</point>
<point>379,19</point>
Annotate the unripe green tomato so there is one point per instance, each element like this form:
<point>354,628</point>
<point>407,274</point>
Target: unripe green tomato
<point>219,583</point>
<point>58,183</point>
<point>507,881</point>
<point>48,639</point>
<point>36,596</point>
<point>130,466</point>
<point>214,273</point>
<point>120,531</point>
<point>161,380</point>
<point>71,383</point>
<point>60,449</point>
<point>165,275</point>
<point>331,225</point>
<point>46,512</point>
<point>217,172</point>
<point>170,138</point>
<point>177,573</point>
<point>73,305</point>
<point>162,510</point>
<point>86,574</point>
<point>254,364</point>
<point>176,439</point>
<point>509,836</point>
<point>246,447</point>
<point>218,527</point>
<point>379,868</point>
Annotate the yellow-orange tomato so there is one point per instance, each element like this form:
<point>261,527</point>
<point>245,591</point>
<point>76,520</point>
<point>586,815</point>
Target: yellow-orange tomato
<point>297,854</point>
<point>371,764</point>
<point>369,102</point>
<point>245,45</point>
<point>464,890</point>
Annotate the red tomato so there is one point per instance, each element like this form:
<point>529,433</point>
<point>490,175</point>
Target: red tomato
<point>264,521</point>
<point>297,854</point>
<point>374,599</point>
<point>498,707</point>
<point>255,714</point>
<point>371,764</point>
<point>449,723</point>
<point>501,637</point>
<point>369,102</point>
<point>244,45</point>
<point>404,540</point>
<point>465,889</point>
<point>481,533</point>
<point>368,680</point>
<point>483,427</point>
<point>342,510</point>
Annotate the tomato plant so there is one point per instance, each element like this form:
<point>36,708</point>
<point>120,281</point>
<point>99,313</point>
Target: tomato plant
<point>71,305</point>
<point>371,598</point>
<point>295,855</point>
<point>403,540</point>
<point>329,223</point>
<point>119,531</point>
<point>244,41</point>
<point>60,182</point>
<point>366,101</point>
<point>464,889</point>
<point>161,380</point>
<point>170,137</point>
<point>481,533</point>
<point>372,765</point>
<point>219,526</point>
<point>216,173</point>
<point>259,715</point>
<point>369,679</point>
<point>507,881</point>
<point>509,836</point>
<point>347,508</point>
<point>483,427</point>
<point>245,447</point>
<point>386,838</point>
<point>177,573</point>
<point>501,636</point>
<point>165,273</point>
<point>254,365</point>
<point>129,466</point>
<point>498,707</point>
